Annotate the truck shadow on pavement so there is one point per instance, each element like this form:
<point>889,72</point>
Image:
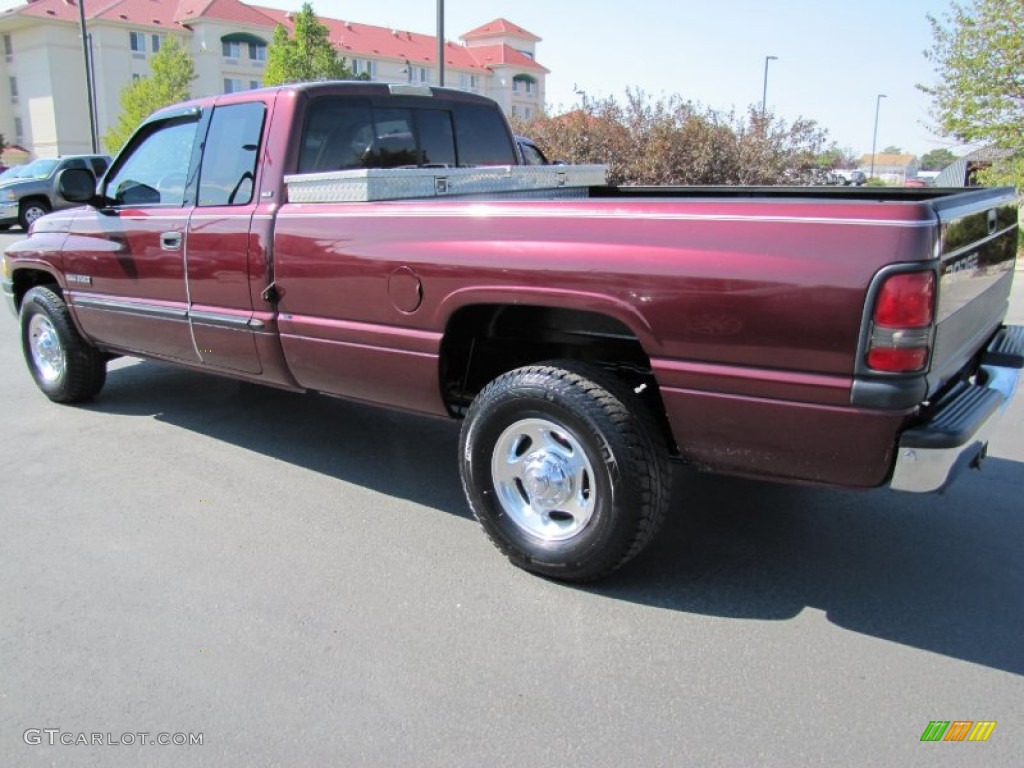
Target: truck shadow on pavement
<point>398,454</point>
<point>940,573</point>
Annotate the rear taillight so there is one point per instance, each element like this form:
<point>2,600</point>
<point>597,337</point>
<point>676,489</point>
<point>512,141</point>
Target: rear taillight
<point>901,323</point>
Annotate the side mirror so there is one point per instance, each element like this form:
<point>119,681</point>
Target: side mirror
<point>77,185</point>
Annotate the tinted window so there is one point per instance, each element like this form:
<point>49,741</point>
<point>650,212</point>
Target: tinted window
<point>481,136</point>
<point>228,172</point>
<point>99,165</point>
<point>437,137</point>
<point>76,162</point>
<point>344,133</point>
<point>154,169</point>
<point>337,134</point>
<point>394,140</point>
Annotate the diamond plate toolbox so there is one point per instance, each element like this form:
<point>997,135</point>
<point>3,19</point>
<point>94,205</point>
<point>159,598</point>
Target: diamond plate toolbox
<point>369,184</point>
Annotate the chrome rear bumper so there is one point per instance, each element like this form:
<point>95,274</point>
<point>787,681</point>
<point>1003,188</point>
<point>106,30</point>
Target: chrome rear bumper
<point>956,434</point>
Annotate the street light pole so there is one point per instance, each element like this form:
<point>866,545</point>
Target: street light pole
<point>764,93</point>
<point>88,76</point>
<point>874,137</point>
<point>440,43</point>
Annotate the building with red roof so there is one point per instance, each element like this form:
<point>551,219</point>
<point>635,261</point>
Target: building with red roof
<point>42,65</point>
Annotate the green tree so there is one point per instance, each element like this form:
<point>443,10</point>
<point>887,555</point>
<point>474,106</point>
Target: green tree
<point>3,143</point>
<point>170,82</point>
<point>978,55</point>
<point>892,149</point>
<point>937,159</point>
<point>309,55</point>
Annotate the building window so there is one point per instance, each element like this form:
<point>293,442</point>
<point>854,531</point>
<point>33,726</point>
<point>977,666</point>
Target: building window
<point>8,48</point>
<point>136,77</point>
<point>524,84</point>
<point>137,41</point>
<point>469,82</point>
<point>364,67</point>
<point>18,134</point>
<point>230,50</point>
<point>233,85</point>
<point>421,74</point>
<point>254,84</point>
<point>257,52</point>
<point>157,41</point>
<point>14,88</point>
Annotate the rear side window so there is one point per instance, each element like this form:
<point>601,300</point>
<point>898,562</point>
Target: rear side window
<point>228,172</point>
<point>99,165</point>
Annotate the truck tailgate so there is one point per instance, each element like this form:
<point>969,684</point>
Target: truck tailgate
<point>977,251</point>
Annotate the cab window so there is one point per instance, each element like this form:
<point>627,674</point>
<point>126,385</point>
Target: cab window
<point>154,170</point>
<point>228,173</point>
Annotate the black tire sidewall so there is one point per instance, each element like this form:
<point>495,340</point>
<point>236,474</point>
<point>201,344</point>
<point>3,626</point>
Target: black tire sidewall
<point>84,366</point>
<point>608,533</point>
<point>35,305</point>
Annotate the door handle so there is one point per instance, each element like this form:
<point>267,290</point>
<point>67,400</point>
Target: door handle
<point>170,241</point>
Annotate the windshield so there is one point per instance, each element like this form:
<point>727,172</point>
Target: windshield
<point>38,169</point>
<point>13,173</point>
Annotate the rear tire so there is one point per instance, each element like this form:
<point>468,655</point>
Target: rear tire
<point>565,470</point>
<point>64,365</point>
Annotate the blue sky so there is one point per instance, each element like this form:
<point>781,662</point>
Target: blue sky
<point>834,56</point>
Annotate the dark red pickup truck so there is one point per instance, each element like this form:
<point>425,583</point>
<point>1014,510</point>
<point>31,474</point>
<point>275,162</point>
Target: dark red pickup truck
<point>585,335</point>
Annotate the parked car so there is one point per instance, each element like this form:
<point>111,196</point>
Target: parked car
<point>34,192</point>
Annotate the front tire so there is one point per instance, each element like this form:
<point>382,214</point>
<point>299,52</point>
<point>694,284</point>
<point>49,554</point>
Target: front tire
<point>64,365</point>
<point>30,211</point>
<point>565,470</point>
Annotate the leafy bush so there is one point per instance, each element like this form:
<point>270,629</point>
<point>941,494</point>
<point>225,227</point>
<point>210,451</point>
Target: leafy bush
<point>669,140</point>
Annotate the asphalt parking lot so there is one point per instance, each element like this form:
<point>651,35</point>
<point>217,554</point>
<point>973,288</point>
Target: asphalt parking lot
<point>297,579</point>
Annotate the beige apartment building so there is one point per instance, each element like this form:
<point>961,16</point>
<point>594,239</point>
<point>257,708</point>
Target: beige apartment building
<point>43,101</point>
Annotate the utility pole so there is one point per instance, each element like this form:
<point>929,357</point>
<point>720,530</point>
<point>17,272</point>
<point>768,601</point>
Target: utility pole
<point>88,77</point>
<point>440,43</point>
<point>874,137</point>
<point>764,93</point>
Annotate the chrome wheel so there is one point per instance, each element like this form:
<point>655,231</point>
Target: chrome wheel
<point>32,213</point>
<point>47,352</point>
<point>544,480</point>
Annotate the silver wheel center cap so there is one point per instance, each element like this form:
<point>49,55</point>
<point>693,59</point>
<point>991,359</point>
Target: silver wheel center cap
<point>546,480</point>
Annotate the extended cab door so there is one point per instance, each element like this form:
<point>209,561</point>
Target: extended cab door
<point>125,262</point>
<point>220,243</point>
